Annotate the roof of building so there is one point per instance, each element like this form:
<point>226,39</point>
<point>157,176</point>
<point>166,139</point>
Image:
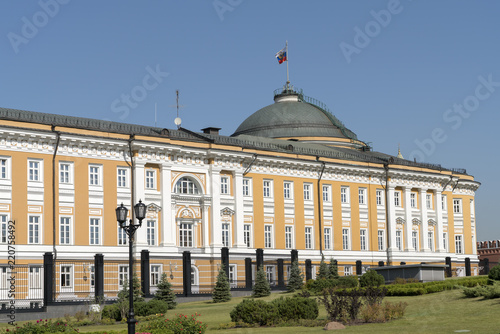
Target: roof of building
<point>244,141</point>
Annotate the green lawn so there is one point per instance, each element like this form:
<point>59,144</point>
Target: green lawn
<point>444,312</point>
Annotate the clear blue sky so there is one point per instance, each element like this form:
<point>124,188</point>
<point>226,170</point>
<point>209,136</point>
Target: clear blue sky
<point>392,71</point>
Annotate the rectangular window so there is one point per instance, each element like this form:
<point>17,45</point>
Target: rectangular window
<point>345,239</point>
<point>66,276</point>
<point>150,179</point>
<point>64,172</point>
<point>308,237</point>
<point>247,235</point>
<point>430,240</point>
<point>326,193</point>
<point>307,192</point>
<point>122,276</point>
<point>344,194</point>
<point>458,244</point>
<point>457,205</point>
<point>35,278</point>
<point>445,241</point>
<point>246,187</point>
<point>362,240</point>
<point>328,237</point>
<point>122,177</point>
<point>94,175</point>
<point>428,201</point>
<point>151,232</point>
<point>443,202</point>
<point>288,237</point>
<point>95,231</point>
<point>4,169</point>
<point>122,236</point>
<point>4,227</point>
<point>362,196</point>
<point>288,190</point>
<point>270,274</point>
<point>414,240</point>
<point>472,209</point>
<point>224,185</point>
<point>347,270</point>
<point>398,240</point>
<point>33,229</point>
<point>186,235</point>
<point>65,231</point>
<point>232,275</point>
<point>33,170</point>
<point>225,235</point>
<point>268,236</point>
<point>381,241</point>
<point>397,198</point>
<point>92,277</point>
<point>267,188</point>
<point>155,275</point>
<point>413,200</point>
<point>379,197</point>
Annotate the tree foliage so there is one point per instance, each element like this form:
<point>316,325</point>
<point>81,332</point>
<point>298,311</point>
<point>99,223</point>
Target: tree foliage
<point>296,279</point>
<point>222,290</point>
<point>261,287</point>
<point>165,292</point>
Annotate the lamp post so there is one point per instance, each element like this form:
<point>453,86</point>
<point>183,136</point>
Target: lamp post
<point>121,217</point>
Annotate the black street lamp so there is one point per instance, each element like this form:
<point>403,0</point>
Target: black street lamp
<point>121,217</point>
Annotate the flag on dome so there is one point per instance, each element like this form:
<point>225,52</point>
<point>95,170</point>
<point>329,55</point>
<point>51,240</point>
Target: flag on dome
<point>281,55</point>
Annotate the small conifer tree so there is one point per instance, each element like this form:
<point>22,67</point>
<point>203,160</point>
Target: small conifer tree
<point>261,287</point>
<point>334,270</point>
<point>123,295</point>
<point>165,292</point>
<point>324,271</point>
<point>222,290</point>
<point>296,279</point>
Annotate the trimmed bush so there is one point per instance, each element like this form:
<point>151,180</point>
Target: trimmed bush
<point>371,278</point>
<point>348,282</point>
<point>112,312</point>
<point>494,273</point>
<point>154,306</point>
<point>296,308</point>
<point>254,312</point>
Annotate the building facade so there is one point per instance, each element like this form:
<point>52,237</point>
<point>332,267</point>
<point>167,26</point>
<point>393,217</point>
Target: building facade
<point>291,177</point>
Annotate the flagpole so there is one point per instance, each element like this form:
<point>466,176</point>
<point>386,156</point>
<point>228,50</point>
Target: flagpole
<point>287,76</point>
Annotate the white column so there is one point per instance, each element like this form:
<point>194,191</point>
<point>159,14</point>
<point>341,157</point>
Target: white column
<point>408,218</point>
<point>391,223</point>
<point>439,220</point>
<point>167,224</point>
<point>239,214</point>
<point>424,246</point>
<point>215,226</point>
<point>139,194</point>
<point>204,225</point>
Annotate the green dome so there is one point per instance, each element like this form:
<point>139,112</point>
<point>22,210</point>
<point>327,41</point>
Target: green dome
<point>292,116</point>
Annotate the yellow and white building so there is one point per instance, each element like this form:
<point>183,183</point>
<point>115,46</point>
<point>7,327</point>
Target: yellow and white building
<point>291,177</point>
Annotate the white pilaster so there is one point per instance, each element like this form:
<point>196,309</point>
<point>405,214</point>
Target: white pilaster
<point>424,246</point>
<point>391,223</point>
<point>139,194</point>
<point>439,220</point>
<point>408,218</point>
<point>216,228</point>
<point>205,225</point>
<point>168,225</point>
<point>239,214</point>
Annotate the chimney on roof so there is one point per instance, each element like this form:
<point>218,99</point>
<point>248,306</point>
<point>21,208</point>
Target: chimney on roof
<point>211,131</point>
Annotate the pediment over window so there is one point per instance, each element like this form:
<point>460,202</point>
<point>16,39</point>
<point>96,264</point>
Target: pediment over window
<point>416,221</point>
<point>400,220</point>
<point>227,212</point>
<point>152,207</point>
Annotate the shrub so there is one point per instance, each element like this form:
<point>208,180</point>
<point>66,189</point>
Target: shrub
<point>374,295</point>
<point>154,306</point>
<point>296,279</point>
<point>371,278</point>
<point>323,271</point>
<point>254,312</point>
<point>485,291</point>
<point>111,311</point>
<point>178,324</point>
<point>494,273</point>
<point>261,287</point>
<point>165,292</point>
<point>348,282</point>
<point>295,308</point>
<point>382,312</point>
<point>43,326</point>
<point>317,286</point>
<point>222,290</point>
<point>342,305</point>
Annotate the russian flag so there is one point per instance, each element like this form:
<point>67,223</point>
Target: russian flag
<point>281,55</point>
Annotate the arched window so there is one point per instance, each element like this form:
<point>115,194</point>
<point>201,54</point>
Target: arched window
<point>186,185</point>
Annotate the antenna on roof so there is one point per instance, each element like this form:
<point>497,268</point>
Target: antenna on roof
<point>177,120</point>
